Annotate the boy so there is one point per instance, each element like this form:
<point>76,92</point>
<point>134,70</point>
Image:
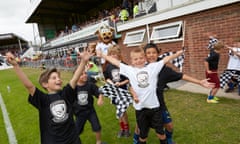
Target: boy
<point>234,67</point>
<point>83,107</point>
<point>211,66</point>
<point>143,79</point>
<point>112,76</point>
<point>55,108</point>
<point>165,76</point>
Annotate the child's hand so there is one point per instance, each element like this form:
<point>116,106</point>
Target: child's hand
<point>100,101</point>
<point>11,59</point>
<point>136,99</point>
<point>207,84</point>
<point>85,55</point>
<point>117,84</point>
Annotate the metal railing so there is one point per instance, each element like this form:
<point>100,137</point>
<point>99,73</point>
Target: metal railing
<point>59,63</point>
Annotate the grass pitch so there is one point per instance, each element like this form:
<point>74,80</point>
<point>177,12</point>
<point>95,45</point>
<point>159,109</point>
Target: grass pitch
<point>195,121</point>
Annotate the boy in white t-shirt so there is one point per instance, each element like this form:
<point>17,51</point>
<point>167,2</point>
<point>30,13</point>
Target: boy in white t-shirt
<point>234,65</point>
<point>143,79</point>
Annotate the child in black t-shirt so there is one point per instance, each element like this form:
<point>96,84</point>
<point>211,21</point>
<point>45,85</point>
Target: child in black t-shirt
<point>84,108</point>
<point>55,107</point>
<point>112,76</point>
<point>211,67</point>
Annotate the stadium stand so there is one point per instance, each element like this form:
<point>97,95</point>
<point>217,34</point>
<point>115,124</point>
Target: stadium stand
<point>14,43</point>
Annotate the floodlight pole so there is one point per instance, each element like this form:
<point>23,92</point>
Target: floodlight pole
<point>20,45</point>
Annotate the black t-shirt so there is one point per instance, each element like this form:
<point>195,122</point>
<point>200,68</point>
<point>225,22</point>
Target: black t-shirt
<point>112,73</point>
<point>56,115</point>
<point>165,76</point>
<point>85,94</point>
<point>213,60</point>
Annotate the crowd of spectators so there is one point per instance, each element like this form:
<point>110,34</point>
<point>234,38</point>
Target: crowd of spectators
<point>115,14</point>
<point>127,10</point>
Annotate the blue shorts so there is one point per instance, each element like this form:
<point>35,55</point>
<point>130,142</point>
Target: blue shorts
<point>166,117</point>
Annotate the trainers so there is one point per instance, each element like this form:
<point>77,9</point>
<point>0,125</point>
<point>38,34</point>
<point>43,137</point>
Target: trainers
<point>135,138</point>
<point>211,101</point>
<point>216,98</point>
<point>120,134</point>
<point>229,90</point>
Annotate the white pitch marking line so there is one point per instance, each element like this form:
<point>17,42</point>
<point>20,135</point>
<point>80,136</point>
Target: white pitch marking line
<point>11,135</point>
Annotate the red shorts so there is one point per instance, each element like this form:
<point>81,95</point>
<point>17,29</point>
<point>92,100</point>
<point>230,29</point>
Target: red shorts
<point>213,77</point>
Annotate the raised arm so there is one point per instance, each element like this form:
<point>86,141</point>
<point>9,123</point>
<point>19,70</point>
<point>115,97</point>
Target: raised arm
<point>108,58</point>
<point>234,52</point>
<point>203,83</point>
<point>84,60</point>
<point>171,57</point>
<point>21,75</point>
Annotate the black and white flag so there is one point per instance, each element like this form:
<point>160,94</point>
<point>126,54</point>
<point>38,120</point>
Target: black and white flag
<point>177,62</point>
<point>227,75</point>
<point>212,42</point>
<point>120,97</point>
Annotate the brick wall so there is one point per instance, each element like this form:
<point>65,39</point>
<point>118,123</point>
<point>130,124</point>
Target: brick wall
<point>223,21</point>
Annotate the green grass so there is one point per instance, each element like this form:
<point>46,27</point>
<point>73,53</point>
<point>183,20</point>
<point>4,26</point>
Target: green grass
<point>195,121</point>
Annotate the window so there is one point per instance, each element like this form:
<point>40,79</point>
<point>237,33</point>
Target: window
<point>167,31</point>
<point>134,37</point>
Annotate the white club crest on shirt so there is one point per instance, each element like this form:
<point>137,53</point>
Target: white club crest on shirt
<point>142,78</point>
<point>82,98</point>
<point>59,111</point>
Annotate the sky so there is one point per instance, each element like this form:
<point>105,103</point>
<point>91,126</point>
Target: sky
<point>13,14</point>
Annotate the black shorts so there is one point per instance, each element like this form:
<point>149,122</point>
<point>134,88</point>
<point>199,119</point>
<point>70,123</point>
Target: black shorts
<point>89,115</point>
<point>149,118</point>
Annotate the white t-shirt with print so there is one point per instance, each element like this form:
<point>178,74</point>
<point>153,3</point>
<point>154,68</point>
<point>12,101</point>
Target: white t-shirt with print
<point>234,61</point>
<point>144,82</point>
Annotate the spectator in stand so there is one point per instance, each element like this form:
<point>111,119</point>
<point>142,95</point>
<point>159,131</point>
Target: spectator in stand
<point>74,28</point>
<point>66,30</point>
<point>61,33</point>
<point>123,15</point>
<point>125,4</point>
<point>74,56</point>
<point>135,9</point>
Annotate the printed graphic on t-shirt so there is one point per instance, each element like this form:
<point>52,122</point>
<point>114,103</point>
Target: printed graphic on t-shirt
<point>59,111</point>
<point>115,75</point>
<point>142,78</point>
<point>82,98</point>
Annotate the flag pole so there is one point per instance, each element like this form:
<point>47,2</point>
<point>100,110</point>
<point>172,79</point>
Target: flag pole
<point>183,38</point>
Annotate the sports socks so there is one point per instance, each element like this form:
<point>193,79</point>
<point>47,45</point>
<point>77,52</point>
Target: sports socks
<point>210,95</point>
<point>169,136</point>
<point>135,138</point>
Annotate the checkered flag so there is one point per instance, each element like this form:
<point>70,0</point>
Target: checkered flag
<point>226,76</point>
<point>211,43</point>
<point>120,97</point>
<point>177,62</point>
